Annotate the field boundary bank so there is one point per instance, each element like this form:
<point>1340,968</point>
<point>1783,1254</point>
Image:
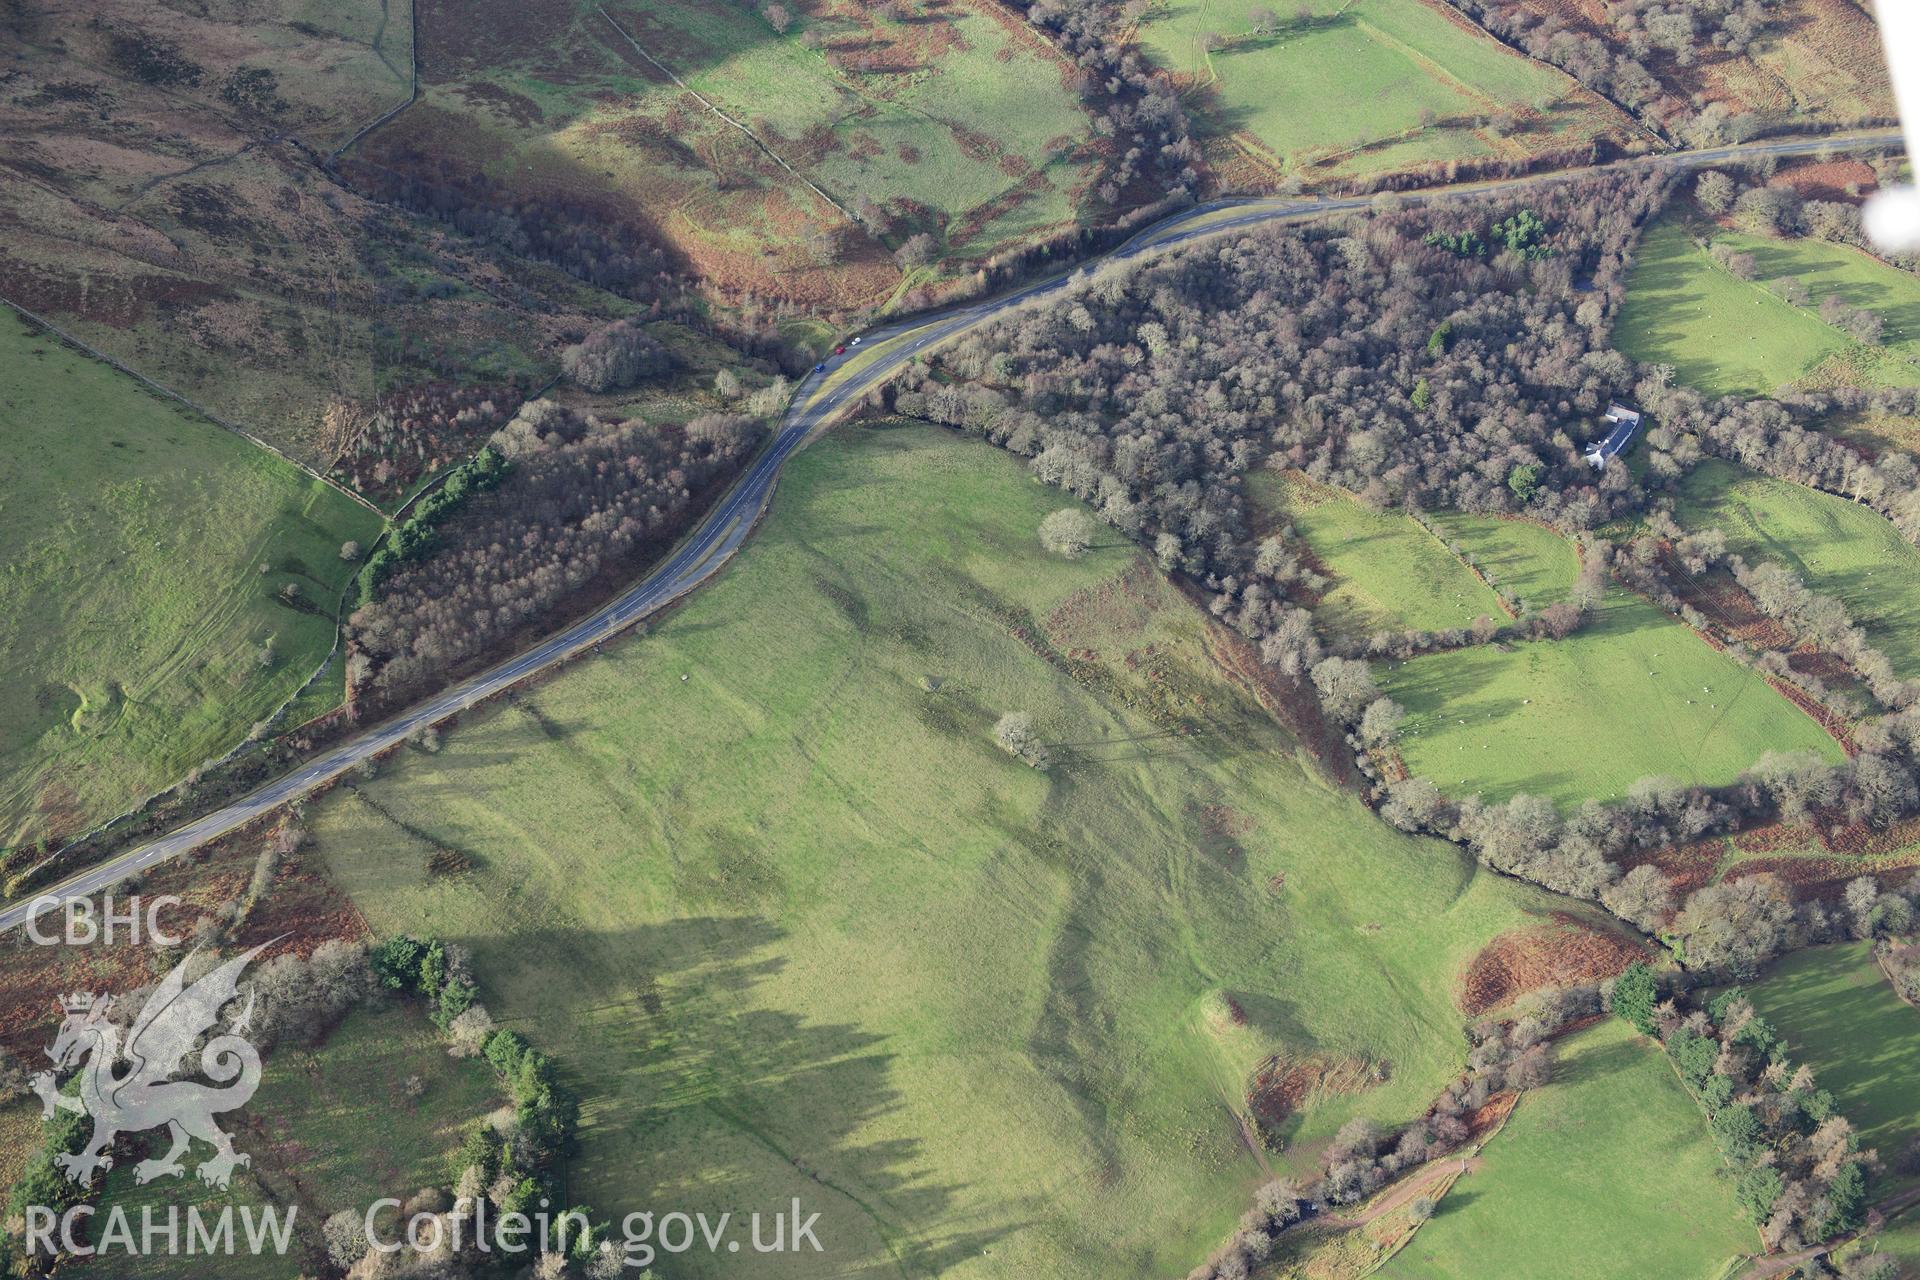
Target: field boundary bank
<point>719,558</point>
<point>1480,574</point>
<point>273,718</point>
<point>709,104</point>
<point>1837,726</point>
<point>1631,116</point>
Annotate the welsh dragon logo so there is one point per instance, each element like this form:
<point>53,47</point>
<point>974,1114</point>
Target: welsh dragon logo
<point>144,1095</point>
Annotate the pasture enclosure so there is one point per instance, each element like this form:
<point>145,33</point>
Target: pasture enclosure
<point>1346,87</point>
<point>1607,1173</point>
<point>168,584</point>
<point>1838,548</point>
<point>1633,693</point>
<point>1840,1015</point>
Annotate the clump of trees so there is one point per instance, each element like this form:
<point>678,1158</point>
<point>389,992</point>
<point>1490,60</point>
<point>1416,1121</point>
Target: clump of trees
<point>615,357</point>
<point>1615,61</point>
<point>604,247</point>
<point>411,431</point>
<point>1153,385</point>
<point>415,537</point>
<point>1505,1056</point>
<point>1736,925</point>
<point>1522,233</point>
<point>1687,28</point>
<point>1135,104</point>
<point>511,1159</point>
<point>1067,533</point>
<point>1824,622</point>
<point>1903,969</point>
<point>1511,1055</point>
<point>302,998</point>
<point>571,499</point>
<point>1797,1165</point>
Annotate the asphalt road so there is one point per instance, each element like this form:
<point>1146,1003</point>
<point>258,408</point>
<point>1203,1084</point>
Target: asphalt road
<point>817,400</point>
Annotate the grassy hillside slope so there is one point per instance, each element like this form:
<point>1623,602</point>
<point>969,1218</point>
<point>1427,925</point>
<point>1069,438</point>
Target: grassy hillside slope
<point>146,553</point>
<point>797,927</point>
<point>1614,1129</point>
<point>958,119</point>
<point>1724,335</point>
<point>1363,86</point>
<point>333,1127</point>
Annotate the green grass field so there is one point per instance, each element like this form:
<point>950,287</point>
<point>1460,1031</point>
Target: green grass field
<point>1535,563</point>
<point>1351,86</point>
<point>794,925</point>
<point>1389,573</point>
<point>1840,1015</point>
<point>1724,335</point>
<point>1606,1174</point>
<point>245,1196</point>
<point>1838,548</point>
<point>935,102</point>
<point>319,1106</point>
<point>1632,693</point>
<point>133,607</point>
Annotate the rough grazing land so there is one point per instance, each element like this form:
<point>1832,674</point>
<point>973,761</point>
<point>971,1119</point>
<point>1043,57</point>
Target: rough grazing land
<point>146,555</point>
<point>1632,693</point>
<point>1346,90</point>
<point>332,1127</point>
<point>174,218</point>
<point>957,120</point>
<point>1606,1174</point>
<point>796,925</point>
<point>1839,548</point>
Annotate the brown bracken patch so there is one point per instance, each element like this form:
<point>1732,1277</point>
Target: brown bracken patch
<point>300,910</point>
<point>1686,866</point>
<point>1828,180</point>
<point>1282,1086</point>
<point>1776,836</point>
<point>1553,955</point>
